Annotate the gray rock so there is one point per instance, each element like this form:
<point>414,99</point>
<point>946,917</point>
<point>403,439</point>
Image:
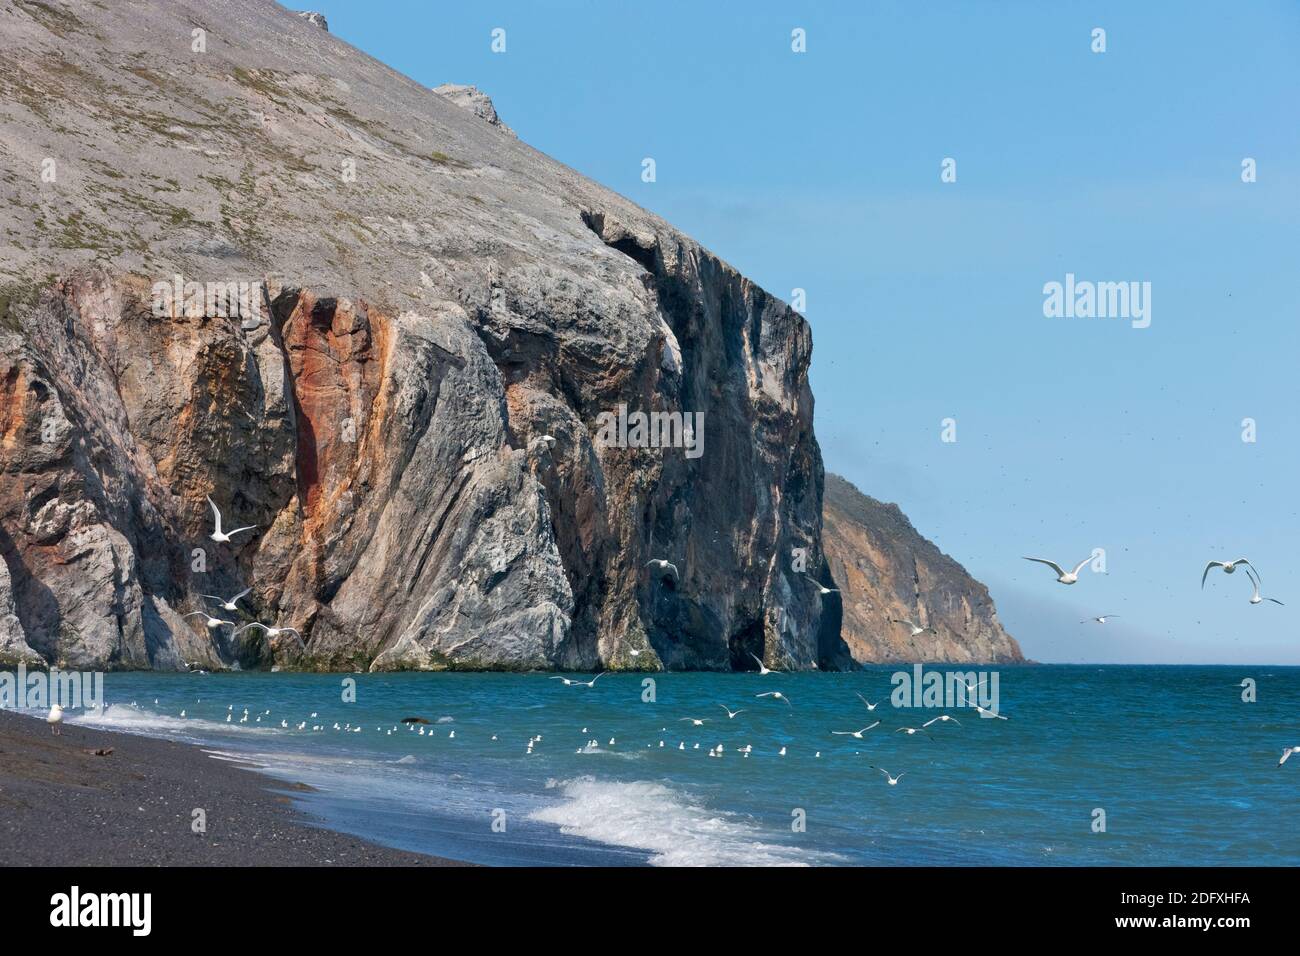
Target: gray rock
<point>476,101</point>
<point>436,297</point>
<point>315,19</point>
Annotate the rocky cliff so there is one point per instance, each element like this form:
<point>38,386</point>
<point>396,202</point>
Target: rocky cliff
<point>241,259</point>
<point>887,572</point>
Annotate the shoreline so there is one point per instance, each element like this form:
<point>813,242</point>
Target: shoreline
<point>63,805</point>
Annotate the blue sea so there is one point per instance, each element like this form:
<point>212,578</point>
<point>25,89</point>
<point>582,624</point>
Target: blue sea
<point>1184,770</point>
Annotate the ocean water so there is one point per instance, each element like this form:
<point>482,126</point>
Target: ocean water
<point>1185,771</point>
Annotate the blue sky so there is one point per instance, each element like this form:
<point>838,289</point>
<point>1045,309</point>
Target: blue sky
<point>821,171</point>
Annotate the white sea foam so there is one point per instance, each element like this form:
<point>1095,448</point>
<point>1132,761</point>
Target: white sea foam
<point>138,720</point>
<point>676,830</point>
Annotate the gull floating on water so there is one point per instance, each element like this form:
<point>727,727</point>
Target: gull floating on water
<point>1065,577</point>
<point>855,733</point>
<point>218,535</point>
<point>778,695</point>
<point>1228,568</point>
<point>229,605</point>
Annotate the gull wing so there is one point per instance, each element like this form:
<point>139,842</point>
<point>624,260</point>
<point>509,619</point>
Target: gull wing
<point>1051,564</point>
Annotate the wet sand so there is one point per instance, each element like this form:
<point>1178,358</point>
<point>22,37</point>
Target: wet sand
<point>62,805</point>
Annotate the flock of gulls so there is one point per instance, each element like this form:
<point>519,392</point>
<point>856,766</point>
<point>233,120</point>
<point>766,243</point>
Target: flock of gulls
<point>231,604</point>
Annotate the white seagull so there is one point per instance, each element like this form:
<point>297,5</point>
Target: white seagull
<point>941,717</point>
<point>1257,598</point>
<point>778,695</point>
<point>218,535</point>
<point>56,717</point>
<point>212,622</point>
<point>763,668</point>
<point>870,705</point>
<point>893,781</point>
<point>580,683</point>
<point>664,567</point>
<point>697,721</point>
<point>272,632</point>
<point>731,714</point>
<point>855,733</point>
<point>1100,619</point>
<point>990,713</point>
<point>1065,577</point>
<point>821,588</point>
<point>1228,568</point>
<point>230,604</point>
<point>914,628</point>
<point>1286,751</point>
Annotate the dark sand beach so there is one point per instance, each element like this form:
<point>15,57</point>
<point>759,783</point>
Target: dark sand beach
<point>62,805</point>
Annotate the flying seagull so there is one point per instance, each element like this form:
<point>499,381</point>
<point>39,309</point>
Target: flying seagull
<point>778,695</point>
<point>911,730</point>
<point>1256,598</point>
<point>914,628</point>
<point>870,705</point>
<point>1286,751</point>
<point>942,717</point>
<point>1100,619</point>
<point>763,668</point>
<point>731,714</point>
<point>664,567</point>
<point>1065,577</point>
<point>222,536</point>
<point>855,733</point>
<point>211,622</point>
<point>1228,568</point>
<point>580,683</point>
<point>821,588</point>
<point>272,632</point>
<point>990,713</point>
<point>893,781</point>
<point>695,721</point>
<point>229,605</point>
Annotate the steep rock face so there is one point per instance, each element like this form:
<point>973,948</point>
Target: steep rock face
<point>406,404</point>
<point>886,571</point>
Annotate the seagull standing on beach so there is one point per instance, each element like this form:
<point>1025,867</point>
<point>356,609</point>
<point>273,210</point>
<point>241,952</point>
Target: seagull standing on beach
<point>55,718</point>
<point>1065,577</point>
<point>1228,568</point>
<point>223,537</point>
